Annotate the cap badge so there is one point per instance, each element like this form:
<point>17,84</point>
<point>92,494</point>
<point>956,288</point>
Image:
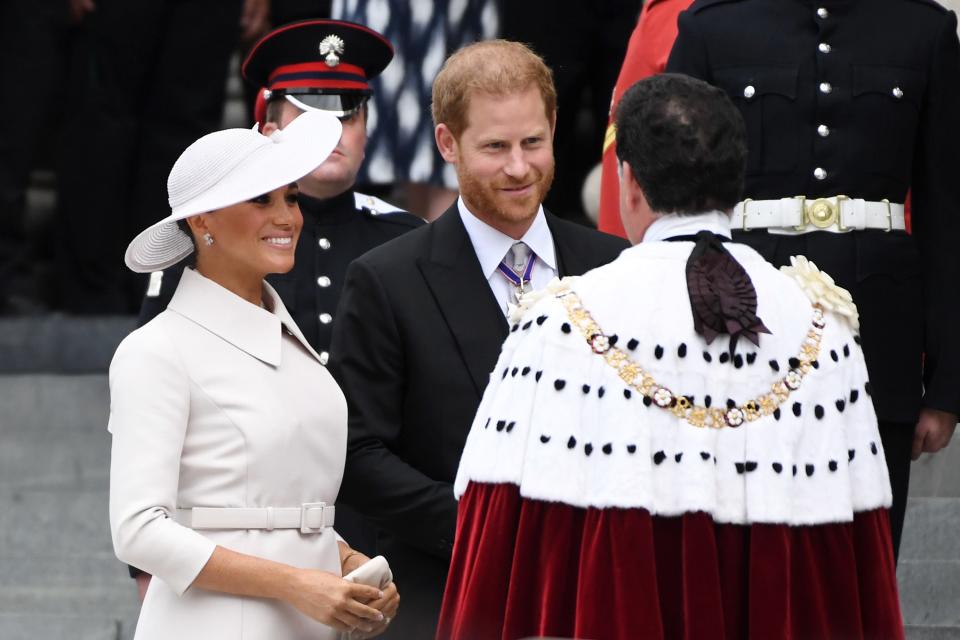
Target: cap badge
<point>331,48</point>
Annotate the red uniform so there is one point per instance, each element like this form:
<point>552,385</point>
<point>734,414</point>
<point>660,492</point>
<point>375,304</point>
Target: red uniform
<point>647,55</point>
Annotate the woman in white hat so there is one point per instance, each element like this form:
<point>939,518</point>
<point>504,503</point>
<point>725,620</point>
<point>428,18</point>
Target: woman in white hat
<point>223,475</point>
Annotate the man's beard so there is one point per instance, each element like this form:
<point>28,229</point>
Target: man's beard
<point>486,199</point>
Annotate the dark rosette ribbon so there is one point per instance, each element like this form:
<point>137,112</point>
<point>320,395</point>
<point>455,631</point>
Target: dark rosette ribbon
<point>722,296</point>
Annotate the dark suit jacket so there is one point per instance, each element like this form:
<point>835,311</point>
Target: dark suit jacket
<point>878,114</point>
<point>418,335</point>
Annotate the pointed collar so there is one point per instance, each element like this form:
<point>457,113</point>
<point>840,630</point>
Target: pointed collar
<point>340,208</point>
<point>248,327</point>
<point>672,225</point>
<point>491,245</point>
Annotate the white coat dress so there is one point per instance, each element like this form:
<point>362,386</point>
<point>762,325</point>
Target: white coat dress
<point>220,403</point>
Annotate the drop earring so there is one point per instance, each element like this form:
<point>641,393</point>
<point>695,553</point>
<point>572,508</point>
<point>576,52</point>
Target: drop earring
<point>208,239</point>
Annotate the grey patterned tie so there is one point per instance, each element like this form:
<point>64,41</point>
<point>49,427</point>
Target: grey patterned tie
<point>521,253</point>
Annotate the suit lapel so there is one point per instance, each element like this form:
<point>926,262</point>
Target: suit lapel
<point>463,295</point>
<point>571,260</point>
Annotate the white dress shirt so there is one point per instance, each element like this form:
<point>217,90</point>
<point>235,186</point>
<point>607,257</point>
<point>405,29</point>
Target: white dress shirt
<point>672,225</point>
<point>491,246</point>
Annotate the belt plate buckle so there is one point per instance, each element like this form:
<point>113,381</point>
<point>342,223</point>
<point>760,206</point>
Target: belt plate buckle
<point>822,213</point>
<point>304,508</point>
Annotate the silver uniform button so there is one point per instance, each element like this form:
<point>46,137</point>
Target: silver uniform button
<point>824,47</point>
<point>324,243</point>
<point>819,173</point>
<point>324,357</point>
<point>749,91</point>
<point>823,130</point>
<point>326,318</point>
<point>323,281</point>
<point>826,87</point>
<point>823,13</point>
<point>897,93</point>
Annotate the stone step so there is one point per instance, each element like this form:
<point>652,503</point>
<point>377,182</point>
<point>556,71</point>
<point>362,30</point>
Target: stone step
<point>59,343</point>
<point>57,583</point>
<point>930,531</point>
<point>44,404</point>
<point>937,474</point>
<point>70,521</point>
<point>27,626</point>
<point>33,459</point>
<point>913,632</point>
<point>930,592</point>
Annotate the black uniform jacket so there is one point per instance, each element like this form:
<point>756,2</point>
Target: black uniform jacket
<point>868,91</point>
<point>335,231</point>
<point>418,335</point>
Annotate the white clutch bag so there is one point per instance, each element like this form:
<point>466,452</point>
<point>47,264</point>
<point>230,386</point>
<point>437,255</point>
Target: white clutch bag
<point>374,572</point>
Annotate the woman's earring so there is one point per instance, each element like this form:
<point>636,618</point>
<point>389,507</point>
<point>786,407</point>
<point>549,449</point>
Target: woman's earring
<point>208,239</point>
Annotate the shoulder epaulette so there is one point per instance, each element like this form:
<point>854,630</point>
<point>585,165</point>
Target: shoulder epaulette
<point>374,205</point>
<point>383,210</point>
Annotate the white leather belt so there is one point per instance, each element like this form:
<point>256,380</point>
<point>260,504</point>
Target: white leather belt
<point>310,517</point>
<point>838,214</point>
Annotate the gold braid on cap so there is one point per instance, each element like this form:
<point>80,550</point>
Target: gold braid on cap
<point>697,415</point>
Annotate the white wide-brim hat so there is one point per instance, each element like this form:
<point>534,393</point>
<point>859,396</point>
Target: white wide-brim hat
<point>228,167</point>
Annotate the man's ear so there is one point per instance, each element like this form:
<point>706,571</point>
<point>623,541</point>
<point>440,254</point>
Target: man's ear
<point>446,143</point>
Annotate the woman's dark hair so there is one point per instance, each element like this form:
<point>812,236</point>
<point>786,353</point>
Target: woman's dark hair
<point>685,142</point>
<point>191,260</point>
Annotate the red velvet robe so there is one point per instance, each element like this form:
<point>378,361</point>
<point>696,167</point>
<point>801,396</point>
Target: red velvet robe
<point>526,568</point>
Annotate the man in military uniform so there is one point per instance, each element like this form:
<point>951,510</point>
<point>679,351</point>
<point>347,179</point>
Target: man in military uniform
<point>318,65</point>
<point>848,105</point>
<point>323,65</point>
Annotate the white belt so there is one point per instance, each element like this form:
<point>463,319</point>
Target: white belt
<point>310,517</point>
<point>838,214</point>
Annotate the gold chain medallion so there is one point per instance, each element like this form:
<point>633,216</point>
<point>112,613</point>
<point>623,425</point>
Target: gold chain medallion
<point>697,415</point>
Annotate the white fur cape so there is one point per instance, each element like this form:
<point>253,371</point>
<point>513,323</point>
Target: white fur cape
<point>557,421</point>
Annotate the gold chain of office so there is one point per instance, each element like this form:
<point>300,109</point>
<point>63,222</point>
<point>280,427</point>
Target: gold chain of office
<point>697,415</point>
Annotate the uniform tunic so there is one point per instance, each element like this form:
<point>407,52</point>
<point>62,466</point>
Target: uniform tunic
<point>856,98</point>
<point>219,403</point>
<point>335,231</point>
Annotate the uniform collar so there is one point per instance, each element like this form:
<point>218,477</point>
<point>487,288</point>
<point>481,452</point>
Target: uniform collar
<point>672,225</point>
<point>339,208</point>
<point>248,327</point>
<point>491,245</point>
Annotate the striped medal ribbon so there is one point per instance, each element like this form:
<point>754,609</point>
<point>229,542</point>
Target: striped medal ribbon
<point>517,279</point>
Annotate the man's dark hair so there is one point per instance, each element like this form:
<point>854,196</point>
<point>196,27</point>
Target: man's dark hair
<point>685,142</point>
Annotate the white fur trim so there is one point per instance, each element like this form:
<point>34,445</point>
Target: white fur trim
<point>643,296</point>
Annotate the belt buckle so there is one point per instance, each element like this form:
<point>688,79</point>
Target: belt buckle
<point>306,507</point>
<point>822,213</point>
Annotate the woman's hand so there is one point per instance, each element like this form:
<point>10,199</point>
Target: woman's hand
<point>350,559</point>
<point>389,604</point>
<point>335,602</point>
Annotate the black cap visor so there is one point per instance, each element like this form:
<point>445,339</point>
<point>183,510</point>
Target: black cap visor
<point>342,105</point>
